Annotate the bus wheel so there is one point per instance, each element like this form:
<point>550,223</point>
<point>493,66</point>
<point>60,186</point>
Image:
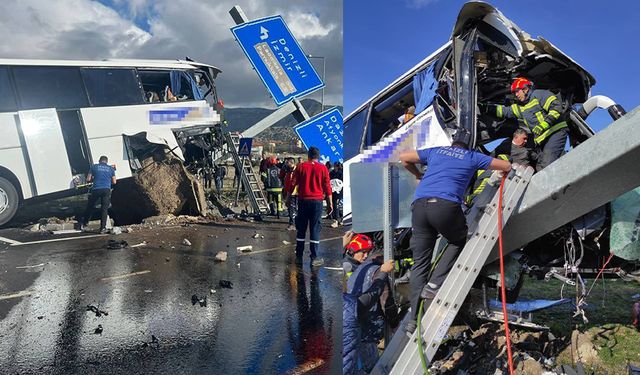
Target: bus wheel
<point>8,200</point>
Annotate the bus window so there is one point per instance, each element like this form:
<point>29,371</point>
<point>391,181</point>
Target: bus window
<point>50,87</point>
<point>167,85</point>
<point>205,87</point>
<point>354,128</point>
<point>110,87</point>
<point>7,96</point>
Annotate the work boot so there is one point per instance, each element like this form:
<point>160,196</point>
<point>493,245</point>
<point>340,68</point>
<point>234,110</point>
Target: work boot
<point>317,262</point>
<point>404,279</point>
<point>428,293</point>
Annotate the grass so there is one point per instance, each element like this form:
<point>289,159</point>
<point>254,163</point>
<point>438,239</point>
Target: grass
<point>609,319</point>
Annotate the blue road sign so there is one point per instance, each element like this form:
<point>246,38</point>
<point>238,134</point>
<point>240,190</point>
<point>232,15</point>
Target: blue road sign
<point>324,131</point>
<point>244,148</point>
<point>277,57</point>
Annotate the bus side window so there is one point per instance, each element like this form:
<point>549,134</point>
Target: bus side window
<point>50,87</point>
<point>7,96</point>
<point>110,87</point>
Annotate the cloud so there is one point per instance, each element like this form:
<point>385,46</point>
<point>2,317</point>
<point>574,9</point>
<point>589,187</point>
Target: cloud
<point>417,4</point>
<point>86,29</point>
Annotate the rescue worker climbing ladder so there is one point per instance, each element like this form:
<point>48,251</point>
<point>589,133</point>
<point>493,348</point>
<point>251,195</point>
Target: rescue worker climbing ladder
<point>541,113</point>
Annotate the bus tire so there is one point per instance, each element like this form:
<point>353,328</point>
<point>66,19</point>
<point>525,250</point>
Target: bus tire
<point>9,200</point>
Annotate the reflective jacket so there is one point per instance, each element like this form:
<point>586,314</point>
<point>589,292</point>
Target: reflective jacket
<point>542,112</point>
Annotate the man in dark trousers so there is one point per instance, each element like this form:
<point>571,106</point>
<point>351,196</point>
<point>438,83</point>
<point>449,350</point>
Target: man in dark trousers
<point>103,177</point>
<point>312,180</point>
<point>437,209</point>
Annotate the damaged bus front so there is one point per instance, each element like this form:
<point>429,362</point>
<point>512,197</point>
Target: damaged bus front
<point>485,53</point>
<point>59,116</point>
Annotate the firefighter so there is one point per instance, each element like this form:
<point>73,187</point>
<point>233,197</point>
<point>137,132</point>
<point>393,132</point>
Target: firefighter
<point>273,185</point>
<point>539,111</point>
<point>367,303</point>
<point>437,209</point>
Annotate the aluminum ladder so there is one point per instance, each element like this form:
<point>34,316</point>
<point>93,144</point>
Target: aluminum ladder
<point>247,176</point>
<point>402,354</point>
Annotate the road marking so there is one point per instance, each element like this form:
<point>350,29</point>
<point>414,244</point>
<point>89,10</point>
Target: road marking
<point>24,293</point>
<point>54,240</point>
<point>34,266</point>
<point>10,241</point>
<point>282,247</point>
<point>124,276</point>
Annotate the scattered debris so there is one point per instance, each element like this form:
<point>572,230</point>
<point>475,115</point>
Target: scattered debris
<point>186,242</point>
<point>98,331</point>
<point>200,300</point>
<point>226,284</point>
<point>113,244</point>
<point>212,291</point>
<point>167,259</point>
<point>143,243</point>
<point>221,256</point>
<point>97,311</point>
<point>116,230</point>
<point>284,242</point>
<point>256,235</point>
<point>245,249</point>
<point>40,317</point>
<point>148,291</point>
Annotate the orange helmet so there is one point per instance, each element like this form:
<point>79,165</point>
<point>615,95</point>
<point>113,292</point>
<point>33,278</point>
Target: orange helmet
<point>520,83</point>
<point>360,242</point>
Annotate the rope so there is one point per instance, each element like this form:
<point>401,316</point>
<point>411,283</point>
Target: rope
<point>502,282</point>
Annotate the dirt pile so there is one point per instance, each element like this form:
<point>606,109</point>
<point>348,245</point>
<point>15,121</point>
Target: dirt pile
<point>162,186</point>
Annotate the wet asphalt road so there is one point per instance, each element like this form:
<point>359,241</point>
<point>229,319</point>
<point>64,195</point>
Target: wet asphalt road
<point>277,318</point>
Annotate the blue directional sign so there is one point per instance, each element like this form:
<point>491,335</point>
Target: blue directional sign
<point>324,131</point>
<point>277,57</point>
<point>244,148</point>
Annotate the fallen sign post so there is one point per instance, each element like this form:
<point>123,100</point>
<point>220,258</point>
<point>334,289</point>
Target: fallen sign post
<point>277,58</point>
<point>324,131</point>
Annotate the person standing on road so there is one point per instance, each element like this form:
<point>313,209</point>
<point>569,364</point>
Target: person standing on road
<point>292,198</point>
<point>335,175</point>
<point>273,186</point>
<point>437,209</point>
<point>104,177</point>
<point>312,180</point>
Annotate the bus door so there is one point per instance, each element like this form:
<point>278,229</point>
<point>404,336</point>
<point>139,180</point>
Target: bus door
<point>75,140</point>
<point>45,149</point>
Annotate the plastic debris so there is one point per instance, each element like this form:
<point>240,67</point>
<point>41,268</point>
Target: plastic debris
<point>113,244</point>
<point>143,243</point>
<point>256,235</point>
<point>186,242</point>
<point>116,230</point>
<point>97,311</point>
<point>202,301</point>
<point>98,331</point>
<point>221,256</point>
<point>245,249</point>
<point>226,284</point>
<point>286,242</point>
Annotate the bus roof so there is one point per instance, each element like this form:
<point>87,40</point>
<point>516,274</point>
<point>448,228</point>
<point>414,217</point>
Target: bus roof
<point>131,63</point>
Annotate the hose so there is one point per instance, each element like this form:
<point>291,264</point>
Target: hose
<point>502,282</point>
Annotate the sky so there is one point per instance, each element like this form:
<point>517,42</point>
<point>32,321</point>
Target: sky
<point>172,29</point>
<point>385,38</point>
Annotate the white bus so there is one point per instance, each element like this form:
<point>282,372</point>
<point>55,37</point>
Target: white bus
<point>58,116</point>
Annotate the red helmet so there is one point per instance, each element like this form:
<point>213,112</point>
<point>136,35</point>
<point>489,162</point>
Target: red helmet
<point>273,160</point>
<point>520,83</point>
<point>360,242</point>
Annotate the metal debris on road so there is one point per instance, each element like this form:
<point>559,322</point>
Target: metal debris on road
<point>186,242</point>
<point>245,249</point>
<point>221,256</point>
<point>226,284</point>
<point>114,245</point>
<point>199,300</point>
<point>97,311</point>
